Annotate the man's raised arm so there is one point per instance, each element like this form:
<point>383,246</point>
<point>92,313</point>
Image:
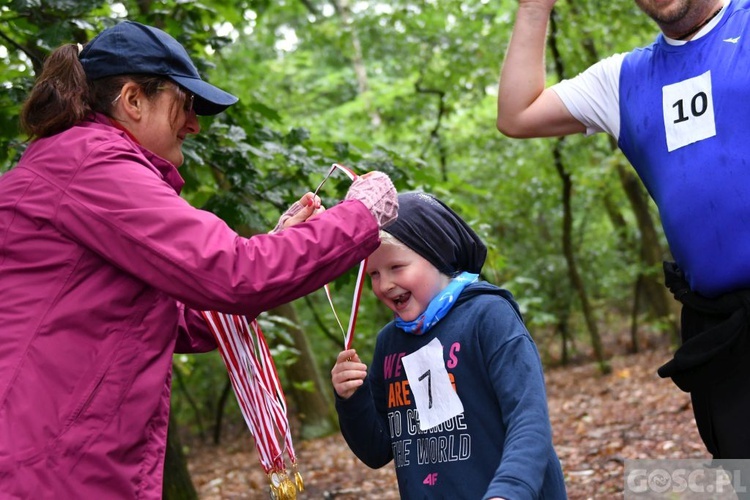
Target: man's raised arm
<point>524,107</point>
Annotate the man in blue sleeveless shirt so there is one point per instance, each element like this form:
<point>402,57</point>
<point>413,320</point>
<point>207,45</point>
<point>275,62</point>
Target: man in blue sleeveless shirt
<point>678,109</point>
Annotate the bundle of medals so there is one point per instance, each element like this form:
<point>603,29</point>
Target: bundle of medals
<point>260,396</point>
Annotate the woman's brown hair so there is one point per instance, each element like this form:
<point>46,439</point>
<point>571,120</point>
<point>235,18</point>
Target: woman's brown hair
<point>59,98</point>
<point>62,95</point>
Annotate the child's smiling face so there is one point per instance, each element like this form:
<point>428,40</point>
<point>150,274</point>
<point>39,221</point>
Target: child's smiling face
<point>404,280</point>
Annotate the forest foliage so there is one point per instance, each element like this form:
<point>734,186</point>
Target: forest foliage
<point>409,88</point>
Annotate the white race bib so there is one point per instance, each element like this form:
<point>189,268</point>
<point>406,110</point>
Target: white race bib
<point>688,108</point>
<point>433,392</point>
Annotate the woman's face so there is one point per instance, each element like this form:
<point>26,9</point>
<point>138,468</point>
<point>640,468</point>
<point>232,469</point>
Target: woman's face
<point>167,119</point>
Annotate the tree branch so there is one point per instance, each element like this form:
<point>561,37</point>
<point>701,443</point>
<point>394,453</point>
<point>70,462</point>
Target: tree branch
<point>435,132</point>
<point>310,7</point>
<point>37,59</point>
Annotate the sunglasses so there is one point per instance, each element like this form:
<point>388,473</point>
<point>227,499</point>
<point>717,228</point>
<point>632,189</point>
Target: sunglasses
<point>189,96</point>
<point>189,100</point>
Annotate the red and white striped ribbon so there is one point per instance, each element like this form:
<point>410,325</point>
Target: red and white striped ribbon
<point>349,333</point>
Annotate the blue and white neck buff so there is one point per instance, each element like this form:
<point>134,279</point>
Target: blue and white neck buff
<point>439,306</point>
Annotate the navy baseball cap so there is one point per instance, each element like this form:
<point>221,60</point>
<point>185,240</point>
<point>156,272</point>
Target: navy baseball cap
<point>133,48</point>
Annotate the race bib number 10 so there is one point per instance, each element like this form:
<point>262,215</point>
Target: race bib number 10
<point>688,108</point>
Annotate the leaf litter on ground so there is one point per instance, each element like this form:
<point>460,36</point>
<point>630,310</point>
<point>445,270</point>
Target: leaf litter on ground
<point>598,422</point>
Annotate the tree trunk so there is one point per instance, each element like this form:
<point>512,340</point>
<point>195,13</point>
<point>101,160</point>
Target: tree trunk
<point>220,408</point>
<point>660,302</point>
<point>342,9</point>
<point>562,329</point>
<point>634,343</point>
<point>575,277</point>
<point>177,482</point>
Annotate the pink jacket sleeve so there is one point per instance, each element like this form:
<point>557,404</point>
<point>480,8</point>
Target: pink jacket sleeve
<point>123,210</point>
<point>193,334</point>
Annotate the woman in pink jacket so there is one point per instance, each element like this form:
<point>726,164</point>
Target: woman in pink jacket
<point>104,267</point>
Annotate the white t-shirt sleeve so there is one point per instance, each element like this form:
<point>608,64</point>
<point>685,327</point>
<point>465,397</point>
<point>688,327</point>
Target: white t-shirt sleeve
<point>593,97</point>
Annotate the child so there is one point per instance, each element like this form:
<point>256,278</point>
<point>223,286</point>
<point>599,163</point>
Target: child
<point>455,395</point>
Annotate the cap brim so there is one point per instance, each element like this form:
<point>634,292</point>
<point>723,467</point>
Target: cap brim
<point>209,100</point>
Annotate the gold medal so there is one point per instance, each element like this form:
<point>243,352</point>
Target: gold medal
<point>282,486</point>
<point>275,481</point>
<point>298,479</point>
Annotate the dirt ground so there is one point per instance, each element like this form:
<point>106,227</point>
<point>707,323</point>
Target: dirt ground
<point>598,422</point>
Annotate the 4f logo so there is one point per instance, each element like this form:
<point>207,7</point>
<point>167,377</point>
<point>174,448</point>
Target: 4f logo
<point>431,479</point>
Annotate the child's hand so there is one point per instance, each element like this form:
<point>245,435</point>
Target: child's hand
<point>348,373</point>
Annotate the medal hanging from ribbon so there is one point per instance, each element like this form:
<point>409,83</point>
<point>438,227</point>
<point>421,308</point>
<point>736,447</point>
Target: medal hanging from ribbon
<point>349,332</point>
<point>260,396</point>
<point>256,385</point>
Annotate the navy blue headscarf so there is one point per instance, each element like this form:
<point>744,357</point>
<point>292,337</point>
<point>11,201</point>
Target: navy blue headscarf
<point>434,231</point>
